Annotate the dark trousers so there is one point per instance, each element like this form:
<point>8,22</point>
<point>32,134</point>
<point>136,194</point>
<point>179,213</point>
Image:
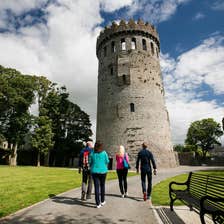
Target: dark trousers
<point>122,178</point>
<point>99,185</point>
<point>143,179</point>
<point>86,182</point>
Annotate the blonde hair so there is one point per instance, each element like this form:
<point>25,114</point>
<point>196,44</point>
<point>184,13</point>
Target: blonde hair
<point>121,150</point>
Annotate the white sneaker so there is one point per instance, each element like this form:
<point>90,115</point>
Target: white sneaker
<point>98,206</point>
<point>122,195</point>
<point>126,194</point>
<point>103,203</point>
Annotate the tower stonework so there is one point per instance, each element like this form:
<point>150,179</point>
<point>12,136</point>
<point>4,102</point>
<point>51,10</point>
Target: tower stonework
<point>131,106</point>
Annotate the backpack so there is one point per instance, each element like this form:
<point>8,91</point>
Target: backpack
<point>85,161</point>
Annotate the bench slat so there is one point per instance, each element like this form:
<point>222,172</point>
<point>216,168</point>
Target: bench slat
<point>199,186</point>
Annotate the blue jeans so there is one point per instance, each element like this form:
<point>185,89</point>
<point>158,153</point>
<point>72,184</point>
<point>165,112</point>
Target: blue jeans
<point>143,179</point>
<point>99,185</point>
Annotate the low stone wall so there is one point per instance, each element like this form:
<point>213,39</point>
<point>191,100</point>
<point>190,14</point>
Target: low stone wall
<point>215,161</point>
<point>190,159</point>
<point>74,162</point>
<point>186,158</point>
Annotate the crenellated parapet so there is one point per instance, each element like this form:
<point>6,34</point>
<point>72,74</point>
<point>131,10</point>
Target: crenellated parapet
<point>130,27</point>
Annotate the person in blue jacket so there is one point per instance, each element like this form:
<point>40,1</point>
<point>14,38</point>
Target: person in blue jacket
<point>99,167</point>
<point>85,169</point>
<point>146,158</point>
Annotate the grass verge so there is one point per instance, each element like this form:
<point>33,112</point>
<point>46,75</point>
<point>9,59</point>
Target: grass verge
<point>21,187</point>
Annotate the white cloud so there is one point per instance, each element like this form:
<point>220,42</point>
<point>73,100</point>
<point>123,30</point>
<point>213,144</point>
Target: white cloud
<point>10,9</point>
<point>155,11</point>
<point>218,5</point>
<point>199,16</point>
<point>63,49</point>
<point>183,77</point>
<point>20,6</point>
<point>23,53</point>
<point>182,114</point>
<point>203,64</point>
<point>111,6</point>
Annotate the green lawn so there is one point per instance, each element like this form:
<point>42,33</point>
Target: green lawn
<point>160,193</point>
<point>24,186</point>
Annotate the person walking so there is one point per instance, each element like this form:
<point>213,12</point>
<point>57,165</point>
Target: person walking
<point>122,171</point>
<point>146,158</point>
<point>84,167</point>
<point>99,167</point>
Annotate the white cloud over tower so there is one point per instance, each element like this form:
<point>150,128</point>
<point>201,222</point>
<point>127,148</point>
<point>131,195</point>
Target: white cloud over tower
<point>186,102</point>
<point>63,49</point>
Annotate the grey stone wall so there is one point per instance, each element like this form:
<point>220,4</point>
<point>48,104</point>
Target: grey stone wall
<point>131,107</point>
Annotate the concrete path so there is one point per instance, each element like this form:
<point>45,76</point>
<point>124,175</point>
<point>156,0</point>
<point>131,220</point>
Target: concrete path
<point>68,208</point>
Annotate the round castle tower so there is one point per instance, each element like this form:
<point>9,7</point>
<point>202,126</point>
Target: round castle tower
<point>131,106</point>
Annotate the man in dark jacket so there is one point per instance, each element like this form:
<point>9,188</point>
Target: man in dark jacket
<point>84,167</point>
<point>145,157</point>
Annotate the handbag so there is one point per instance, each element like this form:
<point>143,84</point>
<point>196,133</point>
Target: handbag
<point>125,163</point>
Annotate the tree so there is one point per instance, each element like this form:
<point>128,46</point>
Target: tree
<point>43,87</point>
<point>2,139</point>
<point>16,96</point>
<point>78,128</point>
<point>42,137</point>
<point>55,108</point>
<point>178,148</point>
<point>204,134</point>
<point>71,126</point>
<point>223,123</point>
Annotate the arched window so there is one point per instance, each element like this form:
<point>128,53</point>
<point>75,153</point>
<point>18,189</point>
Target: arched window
<point>133,43</point>
<point>123,44</point>
<point>144,47</point>
<point>105,51</point>
<point>152,48</point>
<point>132,107</point>
<point>157,52</point>
<point>113,47</point>
<point>124,79</point>
<point>111,71</point>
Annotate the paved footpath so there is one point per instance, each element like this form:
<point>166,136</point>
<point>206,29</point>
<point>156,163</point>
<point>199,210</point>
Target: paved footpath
<point>68,208</point>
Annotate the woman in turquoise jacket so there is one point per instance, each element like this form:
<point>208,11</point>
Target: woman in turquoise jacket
<point>98,164</point>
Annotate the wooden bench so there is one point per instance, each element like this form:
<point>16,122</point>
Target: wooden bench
<point>203,192</point>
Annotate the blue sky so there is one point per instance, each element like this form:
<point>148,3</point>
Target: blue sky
<point>192,23</point>
<point>57,39</point>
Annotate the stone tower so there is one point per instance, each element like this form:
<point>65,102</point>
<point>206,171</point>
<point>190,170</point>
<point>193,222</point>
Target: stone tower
<point>131,106</point>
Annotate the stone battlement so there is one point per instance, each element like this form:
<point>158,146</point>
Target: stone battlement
<point>130,27</point>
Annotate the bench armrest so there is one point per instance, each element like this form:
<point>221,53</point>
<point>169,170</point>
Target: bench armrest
<point>177,183</point>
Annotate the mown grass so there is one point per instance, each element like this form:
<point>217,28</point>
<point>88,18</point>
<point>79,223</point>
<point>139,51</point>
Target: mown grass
<point>24,186</point>
<point>160,193</point>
